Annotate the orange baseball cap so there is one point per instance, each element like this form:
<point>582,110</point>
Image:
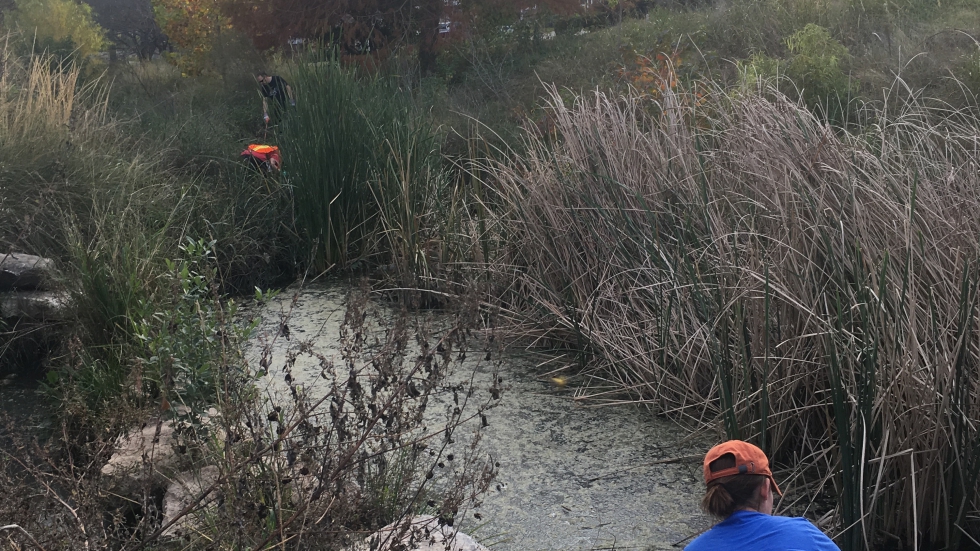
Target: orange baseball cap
<point>749,459</point>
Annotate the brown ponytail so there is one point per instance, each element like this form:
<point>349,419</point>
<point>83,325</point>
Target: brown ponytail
<point>731,493</point>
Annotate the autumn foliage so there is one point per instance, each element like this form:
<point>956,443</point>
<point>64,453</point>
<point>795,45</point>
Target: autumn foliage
<point>358,27</point>
<point>59,24</point>
<point>653,74</point>
<point>191,25</point>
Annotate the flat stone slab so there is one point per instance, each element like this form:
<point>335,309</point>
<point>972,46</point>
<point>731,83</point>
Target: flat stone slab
<point>184,491</point>
<point>143,455</point>
<point>34,305</point>
<point>421,533</point>
<point>24,271</point>
<point>147,456</point>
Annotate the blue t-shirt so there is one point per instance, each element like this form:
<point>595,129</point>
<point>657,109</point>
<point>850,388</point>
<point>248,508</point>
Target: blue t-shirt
<point>759,532</point>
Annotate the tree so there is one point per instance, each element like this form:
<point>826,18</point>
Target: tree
<point>191,25</point>
<point>481,18</point>
<point>357,27</point>
<point>63,27</point>
<point>131,25</point>
<point>374,27</point>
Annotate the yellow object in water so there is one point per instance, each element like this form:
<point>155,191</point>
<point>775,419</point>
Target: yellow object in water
<point>560,382</point>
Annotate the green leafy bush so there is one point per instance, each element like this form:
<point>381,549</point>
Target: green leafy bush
<point>184,343</point>
<point>62,27</point>
<point>817,67</point>
<point>759,69</point>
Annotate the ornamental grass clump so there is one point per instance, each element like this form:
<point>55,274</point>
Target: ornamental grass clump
<point>355,143</point>
<point>733,260</point>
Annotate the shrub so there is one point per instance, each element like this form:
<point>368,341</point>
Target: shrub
<point>816,66</point>
<point>759,69</point>
<point>193,26</point>
<point>61,27</point>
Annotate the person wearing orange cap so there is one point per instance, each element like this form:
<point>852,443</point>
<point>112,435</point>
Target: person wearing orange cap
<point>741,491</point>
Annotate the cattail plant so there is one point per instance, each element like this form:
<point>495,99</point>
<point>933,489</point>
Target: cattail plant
<point>735,261</point>
<point>347,133</point>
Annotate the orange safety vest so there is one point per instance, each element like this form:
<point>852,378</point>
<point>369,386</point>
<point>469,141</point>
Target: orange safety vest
<point>264,155</point>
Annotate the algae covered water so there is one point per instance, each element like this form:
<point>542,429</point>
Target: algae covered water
<point>570,476</point>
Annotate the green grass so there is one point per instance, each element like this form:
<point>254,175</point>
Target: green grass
<point>356,149</point>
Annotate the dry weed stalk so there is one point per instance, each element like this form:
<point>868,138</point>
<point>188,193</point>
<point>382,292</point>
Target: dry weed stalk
<point>392,432</point>
<point>734,259</point>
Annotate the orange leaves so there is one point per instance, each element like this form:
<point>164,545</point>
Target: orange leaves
<point>655,75</point>
<point>658,74</point>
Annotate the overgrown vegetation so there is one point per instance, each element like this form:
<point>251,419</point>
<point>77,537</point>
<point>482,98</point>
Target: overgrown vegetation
<point>323,459</point>
<point>370,186</point>
<point>734,257</point>
<point>151,231</point>
<point>724,227</point>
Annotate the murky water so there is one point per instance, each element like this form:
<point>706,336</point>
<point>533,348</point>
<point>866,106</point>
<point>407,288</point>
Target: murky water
<point>571,477</point>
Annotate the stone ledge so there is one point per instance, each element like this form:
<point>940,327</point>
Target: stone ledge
<point>420,533</point>
<point>184,491</point>
<point>24,271</point>
<point>34,305</point>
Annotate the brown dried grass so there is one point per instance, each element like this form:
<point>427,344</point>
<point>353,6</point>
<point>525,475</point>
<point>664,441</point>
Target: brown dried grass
<point>731,260</point>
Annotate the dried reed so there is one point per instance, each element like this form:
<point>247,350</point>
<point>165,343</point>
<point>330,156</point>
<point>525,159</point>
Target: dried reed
<point>732,260</point>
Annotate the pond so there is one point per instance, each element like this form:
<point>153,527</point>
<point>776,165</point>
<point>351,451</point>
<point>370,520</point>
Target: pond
<point>572,476</point>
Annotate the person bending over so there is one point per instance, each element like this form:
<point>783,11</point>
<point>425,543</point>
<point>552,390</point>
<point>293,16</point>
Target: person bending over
<point>741,492</point>
<point>276,89</point>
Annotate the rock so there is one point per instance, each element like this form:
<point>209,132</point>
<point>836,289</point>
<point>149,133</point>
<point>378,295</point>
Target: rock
<point>34,305</point>
<point>143,456</point>
<point>24,271</point>
<point>185,490</point>
<point>421,533</point>
<point>147,456</point>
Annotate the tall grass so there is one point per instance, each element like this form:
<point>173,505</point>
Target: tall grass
<point>736,262</point>
<point>71,190</point>
<point>76,186</point>
<point>351,139</point>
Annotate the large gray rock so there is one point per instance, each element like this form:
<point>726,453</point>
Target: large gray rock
<point>144,456</point>
<point>147,457</point>
<point>34,305</point>
<point>421,533</point>
<point>186,490</point>
<point>24,271</point>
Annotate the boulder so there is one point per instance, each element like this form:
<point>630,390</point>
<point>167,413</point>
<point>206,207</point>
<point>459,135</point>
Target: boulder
<point>185,490</point>
<point>143,456</point>
<point>24,271</point>
<point>34,305</point>
<point>420,533</point>
<point>146,457</point>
